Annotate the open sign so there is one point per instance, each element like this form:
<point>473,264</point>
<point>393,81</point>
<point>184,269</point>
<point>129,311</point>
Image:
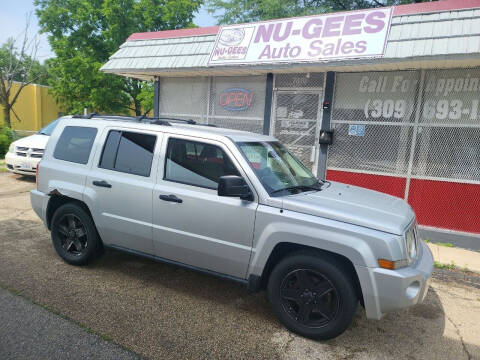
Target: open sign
<point>236,99</point>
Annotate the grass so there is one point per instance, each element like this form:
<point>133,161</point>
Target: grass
<point>444,244</point>
<point>450,266</point>
<point>3,168</point>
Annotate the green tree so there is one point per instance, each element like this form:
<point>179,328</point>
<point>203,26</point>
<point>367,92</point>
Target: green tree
<point>85,33</point>
<point>239,11</point>
<point>18,68</point>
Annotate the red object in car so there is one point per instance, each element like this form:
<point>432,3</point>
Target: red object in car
<point>36,174</point>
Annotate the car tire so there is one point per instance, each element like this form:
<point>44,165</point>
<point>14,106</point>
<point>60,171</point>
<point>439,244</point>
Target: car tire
<point>74,234</point>
<point>312,295</point>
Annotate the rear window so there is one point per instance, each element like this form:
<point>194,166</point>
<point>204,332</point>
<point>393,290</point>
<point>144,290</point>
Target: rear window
<point>75,144</point>
<point>128,152</point>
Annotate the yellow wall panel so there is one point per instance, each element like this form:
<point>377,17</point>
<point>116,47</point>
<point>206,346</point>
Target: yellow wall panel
<point>34,108</point>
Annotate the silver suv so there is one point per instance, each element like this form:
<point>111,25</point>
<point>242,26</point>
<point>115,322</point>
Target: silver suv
<point>233,204</point>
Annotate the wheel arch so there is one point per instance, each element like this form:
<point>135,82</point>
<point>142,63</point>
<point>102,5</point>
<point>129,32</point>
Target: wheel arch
<point>57,200</point>
<point>284,249</point>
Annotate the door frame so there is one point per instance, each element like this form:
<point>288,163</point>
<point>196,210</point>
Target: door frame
<point>320,91</point>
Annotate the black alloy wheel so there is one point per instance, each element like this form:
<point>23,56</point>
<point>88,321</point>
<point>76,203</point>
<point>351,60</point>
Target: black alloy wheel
<point>74,234</point>
<point>309,297</point>
<point>313,294</point>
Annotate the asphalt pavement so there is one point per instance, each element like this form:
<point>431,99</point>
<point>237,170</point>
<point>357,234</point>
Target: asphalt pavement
<point>28,331</point>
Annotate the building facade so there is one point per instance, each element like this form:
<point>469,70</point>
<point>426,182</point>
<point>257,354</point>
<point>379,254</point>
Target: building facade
<point>405,122</point>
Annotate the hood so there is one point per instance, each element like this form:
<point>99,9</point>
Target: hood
<point>34,141</point>
<point>354,205</point>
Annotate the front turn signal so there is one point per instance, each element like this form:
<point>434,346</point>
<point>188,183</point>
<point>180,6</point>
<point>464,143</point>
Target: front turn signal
<point>391,265</point>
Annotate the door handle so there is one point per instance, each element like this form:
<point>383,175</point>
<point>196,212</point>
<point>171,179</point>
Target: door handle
<point>101,183</point>
<point>171,198</point>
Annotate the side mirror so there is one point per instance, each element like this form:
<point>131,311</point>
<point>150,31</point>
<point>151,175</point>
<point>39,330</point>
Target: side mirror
<point>234,186</point>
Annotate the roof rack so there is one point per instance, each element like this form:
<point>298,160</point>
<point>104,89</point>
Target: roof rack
<point>159,120</point>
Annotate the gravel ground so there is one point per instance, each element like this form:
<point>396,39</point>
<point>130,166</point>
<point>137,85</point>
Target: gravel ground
<point>161,311</point>
<point>31,332</point>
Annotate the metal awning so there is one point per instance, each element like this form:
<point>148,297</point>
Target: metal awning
<point>440,34</point>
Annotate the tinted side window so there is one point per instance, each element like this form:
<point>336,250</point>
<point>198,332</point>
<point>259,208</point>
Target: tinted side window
<point>128,152</point>
<point>75,144</point>
<point>196,163</point>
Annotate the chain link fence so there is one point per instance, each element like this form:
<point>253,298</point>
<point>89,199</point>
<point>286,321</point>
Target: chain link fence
<point>419,127</point>
<point>297,113</point>
<point>235,102</point>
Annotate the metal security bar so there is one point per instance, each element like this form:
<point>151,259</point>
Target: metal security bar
<point>408,123</point>
<point>235,102</point>
<point>297,113</point>
<point>185,98</point>
<point>413,134</point>
<point>238,102</point>
<point>372,116</point>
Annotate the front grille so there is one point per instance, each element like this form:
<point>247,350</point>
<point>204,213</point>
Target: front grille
<point>35,153</point>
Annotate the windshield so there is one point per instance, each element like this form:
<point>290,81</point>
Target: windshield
<point>279,171</point>
<point>47,130</point>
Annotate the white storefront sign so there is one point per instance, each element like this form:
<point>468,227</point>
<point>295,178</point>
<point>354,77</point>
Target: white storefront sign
<point>310,38</point>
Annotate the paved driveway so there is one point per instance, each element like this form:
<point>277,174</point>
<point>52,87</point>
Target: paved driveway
<point>161,311</point>
<point>28,331</point>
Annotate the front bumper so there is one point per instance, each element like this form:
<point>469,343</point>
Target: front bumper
<point>21,164</point>
<point>386,290</point>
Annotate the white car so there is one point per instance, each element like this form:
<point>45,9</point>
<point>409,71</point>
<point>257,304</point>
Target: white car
<point>24,154</point>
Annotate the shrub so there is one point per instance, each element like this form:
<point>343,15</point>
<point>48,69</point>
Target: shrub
<point>6,138</point>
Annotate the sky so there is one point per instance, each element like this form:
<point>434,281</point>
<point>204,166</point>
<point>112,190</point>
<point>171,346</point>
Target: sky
<point>14,12</point>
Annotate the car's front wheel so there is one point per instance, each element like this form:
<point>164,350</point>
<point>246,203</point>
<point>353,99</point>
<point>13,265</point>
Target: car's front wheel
<point>74,234</point>
<point>312,296</point>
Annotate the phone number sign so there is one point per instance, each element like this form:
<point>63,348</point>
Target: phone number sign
<point>311,38</point>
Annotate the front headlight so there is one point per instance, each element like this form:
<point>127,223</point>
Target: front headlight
<point>411,249</point>
<point>11,148</point>
<point>411,243</point>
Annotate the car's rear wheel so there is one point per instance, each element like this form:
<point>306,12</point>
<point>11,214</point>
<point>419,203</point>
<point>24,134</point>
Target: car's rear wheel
<point>312,296</point>
<point>74,235</point>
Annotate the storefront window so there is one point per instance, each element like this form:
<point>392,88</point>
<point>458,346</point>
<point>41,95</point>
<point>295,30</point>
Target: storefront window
<point>375,96</point>
<point>184,98</point>
<point>238,102</point>
<point>373,116</point>
<point>376,118</point>
<point>448,135</point>
<point>235,102</point>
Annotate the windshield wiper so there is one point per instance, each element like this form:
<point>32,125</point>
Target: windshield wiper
<point>298,187</point>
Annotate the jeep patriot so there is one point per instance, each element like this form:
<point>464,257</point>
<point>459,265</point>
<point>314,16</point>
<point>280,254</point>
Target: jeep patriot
<point>233,204</point>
